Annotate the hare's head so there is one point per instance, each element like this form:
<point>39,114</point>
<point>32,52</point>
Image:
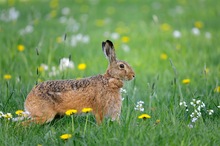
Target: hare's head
<point>116,69</point>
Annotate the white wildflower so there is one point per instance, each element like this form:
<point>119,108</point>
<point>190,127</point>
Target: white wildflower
<point>123,90</point>
<point>194,119</point>
<point>28,29</point>
<point>115,36</point>
<point>210,112</point>
<point>1,114</point>
<point>8,116</point>
<point>65,63</point>
<point>125,47</point>
<point>139,106</point>
<point>190,125</point>
<point>183,103</point>
<point>196,31</point>
<point>177,34</point>
<point>11,15</point>
<point>208,35</point>
<point>65,11</point>
<point>218,106</point>
<point>44,66</point>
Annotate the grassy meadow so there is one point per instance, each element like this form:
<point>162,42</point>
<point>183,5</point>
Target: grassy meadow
<point>173,47</point>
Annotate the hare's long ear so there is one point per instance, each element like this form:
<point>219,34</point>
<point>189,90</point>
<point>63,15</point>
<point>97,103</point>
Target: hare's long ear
<point>109,51</point>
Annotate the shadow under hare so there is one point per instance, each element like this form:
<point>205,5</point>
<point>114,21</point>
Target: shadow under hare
<point>101,93</point>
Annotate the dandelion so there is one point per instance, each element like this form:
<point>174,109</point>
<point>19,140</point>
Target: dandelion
<point>70,112</point>
<point>59,39</point>
<point>8,116</point>
<point>100,22</point>
<point>163,56</point>
<point>20,48</point>
<point>19,112</point>
<point>198,24</point>
<point>86,110</point>
<point>157,121</point>
<point>7,77</point>
<point>165,27</point>
<point>42,67</point>
<point>82,66</point>
<point>66,136</point>
<point>144,116</point>
<point>125,39</point>
<point>217,89</point>
<point>186,81</point>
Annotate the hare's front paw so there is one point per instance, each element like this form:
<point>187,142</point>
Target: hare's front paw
<point>115,83</point>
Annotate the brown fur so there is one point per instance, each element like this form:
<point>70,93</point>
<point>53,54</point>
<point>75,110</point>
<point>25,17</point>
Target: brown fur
<point>101,93</point>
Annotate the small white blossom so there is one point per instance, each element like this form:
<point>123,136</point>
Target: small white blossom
<point>65,63</point>
<point>210,112</point>
<point>44,66</point>
<point>123,90</point>
<point>65,11</point>
<point>8,116</point>
<point>190,125</point>
<point>194,119</point>
<point>139,106</point>
<point>177,34</point>
<point>9,15</point>
<point>196,31</point>
<point>208,35</point>
<point>218,106</point>
<point>1,114</point>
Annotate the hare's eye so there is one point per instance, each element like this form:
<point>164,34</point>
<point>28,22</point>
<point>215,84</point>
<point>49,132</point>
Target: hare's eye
<point>121,66</point>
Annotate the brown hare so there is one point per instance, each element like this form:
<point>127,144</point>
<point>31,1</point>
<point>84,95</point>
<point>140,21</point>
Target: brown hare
<point>101,93</point>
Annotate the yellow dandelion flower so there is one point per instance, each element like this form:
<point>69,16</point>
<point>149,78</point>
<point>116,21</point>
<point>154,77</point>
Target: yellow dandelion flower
<point>84,8</point>
<point>66,136</point>
<point>40,68</point>
<point>110,10</point>
<point>86,110</point>
<point>198,24</point>
<point>217,89</point>
<point>144,116</point>
<point>163,56</point>
<point>7,77</point>
<point>20,48</point>
<point>100,22</point>
<point>82,66</point>
<point>186,81</point>
<point>54,4</point>
<point>53,13</point>
<point>125,39</point>
<point>70,112</point>
<point>157,121</point>
<point>19,112</point>
<point>165,27</point>
<point>59,39</point>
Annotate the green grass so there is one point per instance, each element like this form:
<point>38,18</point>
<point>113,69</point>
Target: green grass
<point>158,81</point>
